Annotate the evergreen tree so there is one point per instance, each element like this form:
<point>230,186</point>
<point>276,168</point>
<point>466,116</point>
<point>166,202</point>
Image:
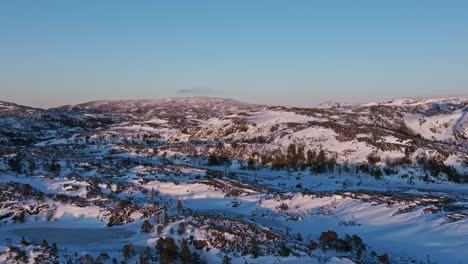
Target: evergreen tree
<point>167,250</point>
<point>159,229</point>
<point>299,237</point>
<point>313,245</point>
<point>102,258</point>
<point>321,157</point>
<point>15,164</point>
<point>196,259</point>
<point>142,259</point>
<point>213,160</point>
<point>128,251</point>
<point>19,218</point>
<point>55,168</point>
<point>185,255</point>
<point>278,161</point>
<point>284,251</point>
<point>300,157</point>
<point>291,156</point>
<point>24,242</point>
<point>181,228</point>
<point>254,246</point>
<point>145,256</point>
<point>26,190</point>
<point>311,157</point>
<point>373,158</point>
<point>328,239</point>
<point>32,166</point>
<point>54,250</point>
<point>384,259</point>
<point>146,227</point>
<point>45,245</point>
<point>226,260</point>
<point>251,164</point>
<point>165,218</point>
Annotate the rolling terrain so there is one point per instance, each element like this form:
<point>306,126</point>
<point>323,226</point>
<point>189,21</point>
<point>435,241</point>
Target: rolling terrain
<point>213,180</point>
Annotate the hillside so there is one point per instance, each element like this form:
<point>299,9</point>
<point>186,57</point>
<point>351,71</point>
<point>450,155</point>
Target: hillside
<point>201,179</point>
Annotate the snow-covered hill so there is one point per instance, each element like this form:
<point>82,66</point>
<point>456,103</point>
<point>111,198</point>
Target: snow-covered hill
<point>181,107</point>
<point>149,180</point>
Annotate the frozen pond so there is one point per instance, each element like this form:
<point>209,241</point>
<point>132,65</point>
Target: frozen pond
<point>72,236</point>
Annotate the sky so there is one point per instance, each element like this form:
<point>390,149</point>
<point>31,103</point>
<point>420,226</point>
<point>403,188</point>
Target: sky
<point>275,52</point>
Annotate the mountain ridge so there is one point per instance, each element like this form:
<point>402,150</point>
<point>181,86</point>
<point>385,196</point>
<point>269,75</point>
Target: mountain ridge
<point>201,99</point>
<point>230,180</point>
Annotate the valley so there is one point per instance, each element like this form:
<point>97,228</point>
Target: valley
<point>213,180</point>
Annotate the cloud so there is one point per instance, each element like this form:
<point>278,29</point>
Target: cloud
<point>196,91</point>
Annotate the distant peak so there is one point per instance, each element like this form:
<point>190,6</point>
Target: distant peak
<point>332,105</point>
<point>154,101</point>
<point>414,101</point>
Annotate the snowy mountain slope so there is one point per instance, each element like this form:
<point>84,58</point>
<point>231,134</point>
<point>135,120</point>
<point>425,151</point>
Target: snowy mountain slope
<point>393,129</point>
<point>26,125</point>
<point>423,101</point>
<point>12,109</point>
<point>149,180</point>
<point>181,107</point>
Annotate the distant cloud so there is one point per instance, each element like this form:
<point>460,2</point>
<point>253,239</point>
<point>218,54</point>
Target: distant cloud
<point>196,91</point>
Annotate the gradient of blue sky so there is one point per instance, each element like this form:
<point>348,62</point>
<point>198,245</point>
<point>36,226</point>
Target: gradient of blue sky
<point>288,52</point>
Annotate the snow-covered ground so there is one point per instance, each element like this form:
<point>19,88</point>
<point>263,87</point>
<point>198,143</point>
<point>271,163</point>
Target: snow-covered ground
<point>201,170</point>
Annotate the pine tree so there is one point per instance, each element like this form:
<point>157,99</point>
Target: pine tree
<point>196,259</point>
<point>24,242</point>
<point>384,259</point>
<point>313,245</point>
<point>55,168</point>
<point>19,218</point>
<point>54,250</point>
<point>311,157</point>
<point>26,190</point>
<point>165,218</point>
<point>145,256</point>
<point>300,157</point>
<point>32,166</point>
<point>226,260</point>
<point>373,158</point>
<point>167,250</point>
<point>45,245</point>
<point>185,255</point>
<point>142,259</point>
<point>299,237</point>
<point>181,228</point>
<point>291,156</point>
<point>15,164</point>
<point>128,251</point>
<point>321,157</point>
<point>159,229</point>
<point>251,164</point>
<point>102,258</point>
<point>213,160</point>
<point>279,161</point>
<point>254,246</point>
<point>284,251</point>
<point>146,227</point>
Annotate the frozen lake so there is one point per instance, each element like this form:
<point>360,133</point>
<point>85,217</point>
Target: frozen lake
<point>72,236</point>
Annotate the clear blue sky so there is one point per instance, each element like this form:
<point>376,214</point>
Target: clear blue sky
<point>281,52</point>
